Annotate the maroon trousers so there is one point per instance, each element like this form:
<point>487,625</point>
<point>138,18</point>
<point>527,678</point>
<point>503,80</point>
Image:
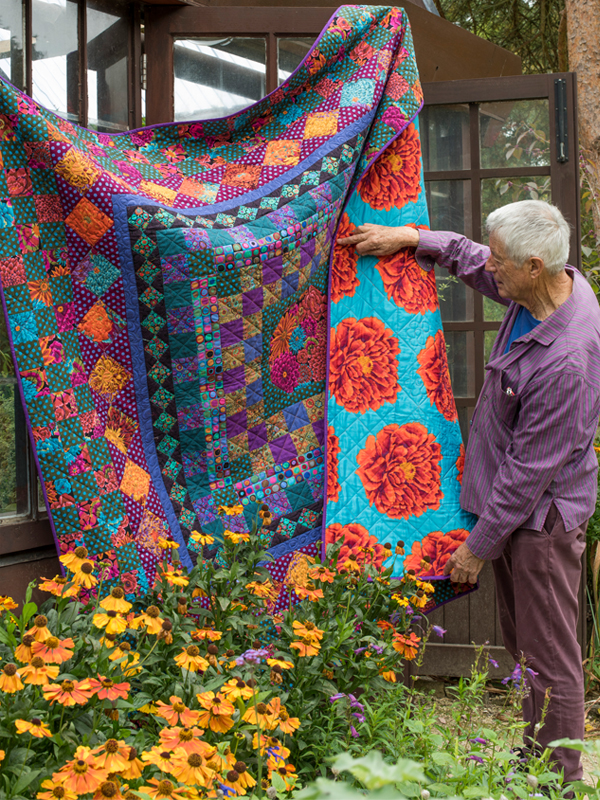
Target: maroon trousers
<point>537,586</point>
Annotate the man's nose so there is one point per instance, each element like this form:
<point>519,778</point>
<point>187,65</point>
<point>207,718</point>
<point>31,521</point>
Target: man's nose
<point>489,265</point>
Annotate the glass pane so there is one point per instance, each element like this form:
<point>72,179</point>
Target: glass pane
<point>460,348</point>
<point>216,77</point>
<point>290,52</point>
<point>465,413</point>
<point>449,205</point>
<point>55,57</point>
<point>445,137</point>
<point>107,52</point>
<point>496,192</point>
<point>514,134</point>
<point>11,42</point>
<point>488,343</point>
<point>13,451</point>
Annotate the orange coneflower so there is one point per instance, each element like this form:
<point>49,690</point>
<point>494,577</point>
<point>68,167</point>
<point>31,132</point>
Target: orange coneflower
<point>115,601</point>
<point>236,537</point>
<point>191,768</point>
<point>82,775</point>
<point>406,645</point>
<point>384,625</point>
<point>38,672</point>
<point>75,558</point>
<point>24,652</point>
<point>231,511</point>
<point>175,577</point>
<point>55,789</point>
<point>134,767</point>
<point>280,662</point>
<point>201,538</point>
<point>285,772</point>
<point>59,587</point>
<point>260,715</point>
<point>188,738</point>
<point>161,758</point>
<point>85,575</point>
<point>150,618</point>
<point>306,646</point>
<point>309,591</point>
<point>217,712</point>
<point>260,589</point>
<point>39,631</point>
<point>108,790</point>
<point>167,544</point>
<point>10,682</point>
<point>35,727</point>
<point>206,633</point>
<point>235,688</point>
<point>388,675</point>
<point>7,603</point>
<point>68,693</point>
<point>108,689</point>
<point>244,779</point>
<point>53,650</point>
<point>282,718</point>
<point>307,629</point>
<point>111,621</point>
<point>164,790</point>
<point>177,712</point>
<point>190,659</point>
<point>321,574</point>
<point>112,755</point>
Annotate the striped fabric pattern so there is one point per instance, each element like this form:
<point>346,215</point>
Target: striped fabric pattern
<point>533,444</point>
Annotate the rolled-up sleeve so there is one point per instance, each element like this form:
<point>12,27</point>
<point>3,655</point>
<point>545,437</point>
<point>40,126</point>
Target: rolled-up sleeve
<point>551,430</point>
<point>461,257</point>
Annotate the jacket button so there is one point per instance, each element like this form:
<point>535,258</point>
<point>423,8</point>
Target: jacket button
<point>485,396</point>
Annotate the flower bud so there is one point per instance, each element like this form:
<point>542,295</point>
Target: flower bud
<point>532,781</point>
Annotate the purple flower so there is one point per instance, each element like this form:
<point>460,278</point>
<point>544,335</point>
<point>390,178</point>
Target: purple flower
<point>493,662</point>
<point>252,657</point>
<point>285,373</point>
<point>479,740</point>
<point>377,649</point>
<point>478,759</point>
<point>354,703</point>
<point>353,732</point>
<point>393,117</point>
<point>335,697</point>
<point>438,630</point>
<point>359,717</point>
<point>518,676</point>
<point>360,650</point>
<point>227,790</point>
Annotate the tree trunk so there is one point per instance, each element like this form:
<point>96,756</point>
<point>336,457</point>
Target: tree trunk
<point>583,32</point>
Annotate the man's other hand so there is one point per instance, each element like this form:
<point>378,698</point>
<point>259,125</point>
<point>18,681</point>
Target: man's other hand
<point>463,566</point>
<point>380,240</point>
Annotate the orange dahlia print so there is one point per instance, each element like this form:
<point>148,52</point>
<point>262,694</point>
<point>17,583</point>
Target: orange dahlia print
<point>436,376</point>
<point>344,279</point>
<point>406,283</point>
<point>357,542</point>
<point>363,368</point>
<point>460,463</point>
<point>395,178</point>
<point>400,470</point>
<point>333,451</point>
<point>429,556</point>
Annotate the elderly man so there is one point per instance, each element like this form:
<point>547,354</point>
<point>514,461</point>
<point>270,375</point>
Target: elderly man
<point>530,470</point>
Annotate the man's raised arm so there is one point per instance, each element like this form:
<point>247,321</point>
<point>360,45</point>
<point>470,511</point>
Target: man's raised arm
<point>459,255</point>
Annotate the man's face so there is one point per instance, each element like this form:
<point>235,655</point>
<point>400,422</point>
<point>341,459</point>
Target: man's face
<point>514,282</point>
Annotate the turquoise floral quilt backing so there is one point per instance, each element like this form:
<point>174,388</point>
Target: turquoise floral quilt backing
<point>187,335</point>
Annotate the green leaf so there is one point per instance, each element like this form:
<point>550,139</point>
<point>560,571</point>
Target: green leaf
<point>278,782</point>
<point>224,602</point>
<point>25,780</point>
<point>374,773</point>
<point>29,609</point>
<point>444,759</point>
<point>476,791</point>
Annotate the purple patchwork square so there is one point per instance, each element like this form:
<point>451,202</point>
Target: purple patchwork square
<point>319,429</point>
<point>272,270</point>
<point>283,449</point>
<point>233,379</point>
<point>175,268</point>
<point>181,320</point>
<point>254,392</point>
<point>237,423</point>
<point>190,417</point>
<point>252,301</point>
<point>257,436</point>
<point>232,332</point>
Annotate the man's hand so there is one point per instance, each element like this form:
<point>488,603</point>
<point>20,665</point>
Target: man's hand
<point>463,566</point>
<point>380,240</point>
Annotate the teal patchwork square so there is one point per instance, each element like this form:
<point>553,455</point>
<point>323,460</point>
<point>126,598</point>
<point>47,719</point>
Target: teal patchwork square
<point>140,218</point>
<point>61,289</point>
<point>99,452</point>
<point>71,432</point>
<point>177,294</point>
<point>23,327</point>
<point>168,445</point>
<point>226,220</point>
<point>46,321</point>
<point>59,377</point>
<point>331,165</point>
<point>18,299</point>
<point>144,246</point>
<point>52,235</point>
<point>310,178</point>
<point>164,218</point>
<point>66,520</point>
<point>102,275</point>
<point>358,93</point>
<point>246,212</point>
<point>269,202</point>
<point>290,190</point>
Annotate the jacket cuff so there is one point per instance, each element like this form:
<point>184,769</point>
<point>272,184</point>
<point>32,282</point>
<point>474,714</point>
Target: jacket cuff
<point>484,541</point>
<point>427,249</point>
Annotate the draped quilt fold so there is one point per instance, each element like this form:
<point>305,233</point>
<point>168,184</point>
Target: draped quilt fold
<point>188,336</point>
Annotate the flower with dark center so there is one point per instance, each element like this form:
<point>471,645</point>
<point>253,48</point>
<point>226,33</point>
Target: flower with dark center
<point>213,649</point>
<point>107,789</point>
<point>87,569</point>
<point>153,611</point>
<point>81,552</point>
<point>262,708</point>
<point>167,626</point>
<point>232,776</point>
<point>40,621</point>
<point>10,670</point>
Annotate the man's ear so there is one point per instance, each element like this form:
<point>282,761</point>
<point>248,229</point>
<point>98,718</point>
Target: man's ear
<point>535,266</point>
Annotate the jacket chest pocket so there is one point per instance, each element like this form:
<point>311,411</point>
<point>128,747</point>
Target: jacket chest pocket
<point>507,401</point>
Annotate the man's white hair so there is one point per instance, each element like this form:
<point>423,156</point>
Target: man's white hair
<point>532,228</point>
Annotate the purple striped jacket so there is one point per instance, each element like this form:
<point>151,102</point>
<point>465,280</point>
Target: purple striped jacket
<point>532,433</point>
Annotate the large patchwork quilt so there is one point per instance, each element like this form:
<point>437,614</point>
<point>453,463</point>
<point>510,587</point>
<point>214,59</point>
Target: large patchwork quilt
<point>188,336</point>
